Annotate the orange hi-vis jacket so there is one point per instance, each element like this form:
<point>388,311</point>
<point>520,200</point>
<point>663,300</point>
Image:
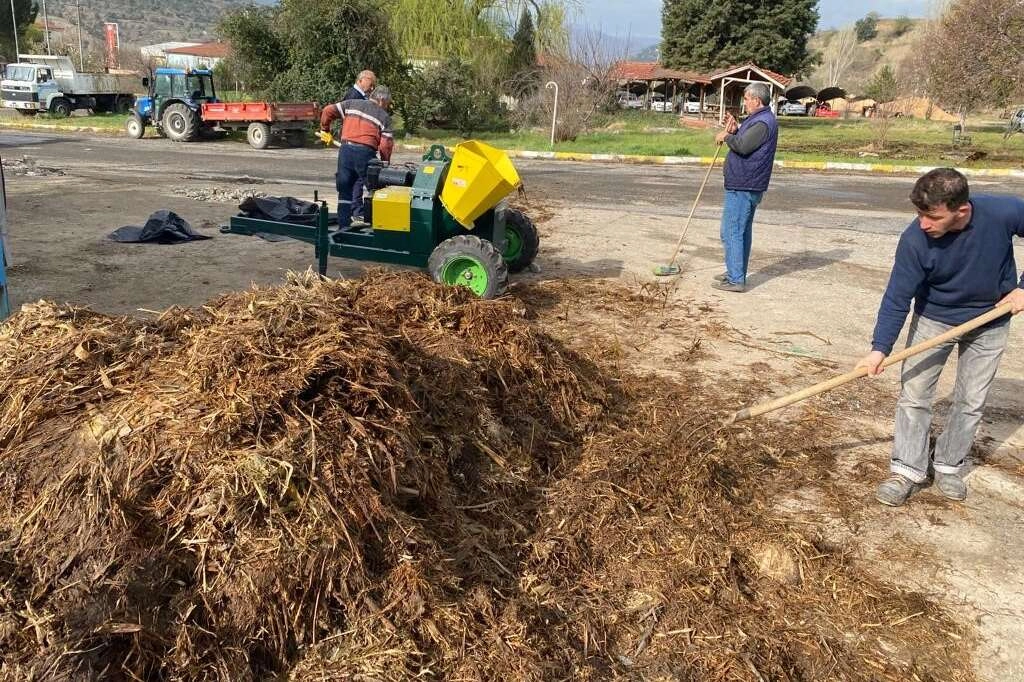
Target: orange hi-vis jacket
<point>362,122</point>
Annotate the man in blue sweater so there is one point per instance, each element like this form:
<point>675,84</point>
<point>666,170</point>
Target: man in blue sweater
<point>748,169</point>
<point>955,261</point>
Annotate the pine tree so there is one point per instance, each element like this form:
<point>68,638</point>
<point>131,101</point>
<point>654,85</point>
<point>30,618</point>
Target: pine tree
<point>24,14</point>
<point>522,61</point>
<point>771,33</point>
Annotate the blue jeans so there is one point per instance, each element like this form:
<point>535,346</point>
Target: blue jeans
<point>738,231</point>
<point>978,354</point>
<point>352,162</point>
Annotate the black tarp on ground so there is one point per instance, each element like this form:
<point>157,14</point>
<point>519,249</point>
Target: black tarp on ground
<point>280,209</point>
<point>163,227</point>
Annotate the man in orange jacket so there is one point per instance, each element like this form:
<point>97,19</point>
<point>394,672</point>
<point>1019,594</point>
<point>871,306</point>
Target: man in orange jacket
<point>365,132</point>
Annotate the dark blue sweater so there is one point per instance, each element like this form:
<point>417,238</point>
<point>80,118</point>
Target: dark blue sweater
<point>956,277</point>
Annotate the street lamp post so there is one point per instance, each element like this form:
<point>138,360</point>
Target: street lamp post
<point>46,28</point>
<point>554,116</point>
<point>14,23</point>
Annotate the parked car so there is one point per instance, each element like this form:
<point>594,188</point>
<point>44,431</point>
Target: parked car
<point>791,107</point>
<point>691,106</point>
<point>1015,124</point>
<point>659,103</point>
<point>627,100</point>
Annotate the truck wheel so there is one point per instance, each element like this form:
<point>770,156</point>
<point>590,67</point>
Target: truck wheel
<point>296,138</point>
<point>61,108</point>
<point>521,240</point>
<point>471,262</point>
<point>122,105</point>
<point>180,123</point>
<point>258,135</point>
<point>135,127</point>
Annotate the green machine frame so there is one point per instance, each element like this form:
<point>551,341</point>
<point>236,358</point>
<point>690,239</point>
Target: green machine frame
<point>429,225</point>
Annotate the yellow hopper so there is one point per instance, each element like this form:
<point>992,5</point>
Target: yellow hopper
<point>478,178</point>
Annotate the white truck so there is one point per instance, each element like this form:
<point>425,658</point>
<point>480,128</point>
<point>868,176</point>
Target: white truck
<point>51,84</point>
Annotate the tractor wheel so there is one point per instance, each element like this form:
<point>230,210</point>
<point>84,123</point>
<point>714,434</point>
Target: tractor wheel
<point>521,240</point>
<point>135,127</point>
<point>471,262</point>
<point>60,107</point>
<point>295,138</point>
<point>181,124</point>
<point>258,135</point>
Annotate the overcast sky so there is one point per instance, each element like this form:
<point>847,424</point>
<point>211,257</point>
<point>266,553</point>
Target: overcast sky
<point>642,18</point>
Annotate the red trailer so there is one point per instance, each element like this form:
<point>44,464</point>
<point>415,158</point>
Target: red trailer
<point>261,120</point>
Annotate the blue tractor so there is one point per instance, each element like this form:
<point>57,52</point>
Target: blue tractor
<point>174,104</point>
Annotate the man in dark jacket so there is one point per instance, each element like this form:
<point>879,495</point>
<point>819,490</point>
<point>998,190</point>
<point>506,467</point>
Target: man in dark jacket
<point>366,81</point>
<point>955,262</point>
<point>365,131</point>
<point>748,169</point>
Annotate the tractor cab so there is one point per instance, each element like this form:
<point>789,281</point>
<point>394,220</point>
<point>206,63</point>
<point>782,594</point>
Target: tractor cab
<point>173,103</point>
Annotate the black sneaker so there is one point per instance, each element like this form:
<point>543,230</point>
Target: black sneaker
<point>728,286</point>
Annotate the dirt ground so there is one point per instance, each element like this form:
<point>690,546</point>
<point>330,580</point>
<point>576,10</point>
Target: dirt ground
<point>822,248</point>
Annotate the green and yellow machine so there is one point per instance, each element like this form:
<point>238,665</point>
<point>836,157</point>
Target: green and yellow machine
<point>448,214</point>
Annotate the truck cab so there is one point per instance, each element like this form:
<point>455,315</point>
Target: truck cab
<point>28,88</point>
<point>173,103</point>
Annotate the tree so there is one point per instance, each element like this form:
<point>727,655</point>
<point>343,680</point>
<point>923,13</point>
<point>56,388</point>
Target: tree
<point>310,49</point>
<point>980,66</point>
<point>702,36</point>
<point>884,89</point>
<point>24,16</point>
<point>901,26</point>
<point>838,55</point>
<point>866,28</point>
<point>522,60</point>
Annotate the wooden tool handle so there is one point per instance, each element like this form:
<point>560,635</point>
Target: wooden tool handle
<point>693,209</point>
<point>835,382</point>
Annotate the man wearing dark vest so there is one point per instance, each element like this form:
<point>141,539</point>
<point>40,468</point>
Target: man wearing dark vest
<point>366,81</point>
<point>748,169</point>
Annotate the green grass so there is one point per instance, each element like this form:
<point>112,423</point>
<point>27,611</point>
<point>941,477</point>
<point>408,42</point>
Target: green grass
<point>910,142</point>
<point>108,121</point>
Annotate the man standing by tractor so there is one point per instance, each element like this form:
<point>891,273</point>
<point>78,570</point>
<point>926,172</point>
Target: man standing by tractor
<point>365,131</point>
<point>955,261</point>
<point>366,81</point>
<point>748,169</point>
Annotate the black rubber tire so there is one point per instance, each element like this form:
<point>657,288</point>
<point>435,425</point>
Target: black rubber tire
<point>123,104</point>
<point>61,108</point>
<point>27,112</point>
<point>258,135</point>
<point>483,252</point>
<point>135,127</point>
<point>104,105</point>
<point>295,138</point>
<point>180,123</point>
<point>518,222</point>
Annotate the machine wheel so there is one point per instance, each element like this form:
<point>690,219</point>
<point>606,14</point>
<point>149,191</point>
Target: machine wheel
<point>60,108</point>
<point>258,135</point>
<point>471,262</point>
<point>521,240</point>
<point>123,105</point>
<point>180,123</point>
<point>135,127</point>
<point>295,138</point>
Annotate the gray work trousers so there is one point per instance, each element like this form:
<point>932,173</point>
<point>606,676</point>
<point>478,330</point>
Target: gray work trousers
<point>978,354</point>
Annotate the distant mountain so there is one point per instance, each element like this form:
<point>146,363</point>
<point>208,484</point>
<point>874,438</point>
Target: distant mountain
<point>143,22</point>
<point>648,54</point>
<point>612,47</point>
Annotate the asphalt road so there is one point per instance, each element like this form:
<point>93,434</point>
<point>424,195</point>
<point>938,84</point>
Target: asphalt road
<point>862,203</point>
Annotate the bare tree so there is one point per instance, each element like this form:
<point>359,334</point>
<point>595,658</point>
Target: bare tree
<point>838,55</point>
<point>586,88</point>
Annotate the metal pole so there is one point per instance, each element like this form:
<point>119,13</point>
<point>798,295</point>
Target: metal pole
<point>554,117</point>
<point>46,28</point>
<point>81,55</point>
<point>14,22</point>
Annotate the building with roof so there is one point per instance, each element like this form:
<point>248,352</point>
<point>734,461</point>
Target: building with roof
<point>187,55</point>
